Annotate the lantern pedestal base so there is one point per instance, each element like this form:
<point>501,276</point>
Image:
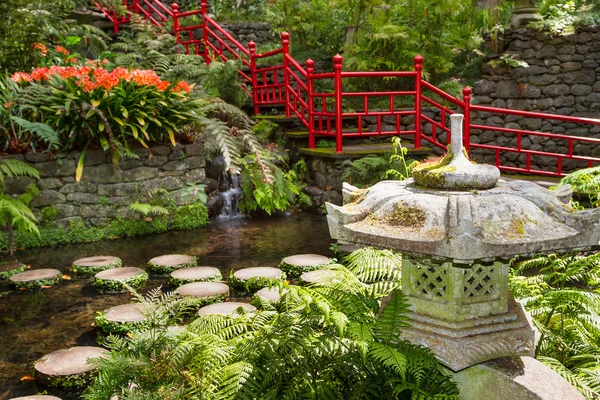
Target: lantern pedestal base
<point>461,344</point>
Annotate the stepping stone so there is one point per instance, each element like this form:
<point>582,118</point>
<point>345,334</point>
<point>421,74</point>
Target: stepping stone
<point>164,265</point>
<point>194,274</point>
<point>300,263</point>
<point>111,280</point>
<point>37,397</point>
<point>67,368</point>
<point>121,319</point>
<point>270,294</point>
<point>228,308</point>
<point>35,279</point>
<point>90,266</point>
<point>8,269</point>
<point>318,276</point>
<point>175,329</point>
<point>203,293</point>
<point>252,279</point>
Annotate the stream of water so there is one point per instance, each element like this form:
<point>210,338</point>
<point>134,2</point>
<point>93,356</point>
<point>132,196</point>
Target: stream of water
<point>37,323</point>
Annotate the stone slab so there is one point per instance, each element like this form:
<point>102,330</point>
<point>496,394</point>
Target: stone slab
<point>125,313</point>
<point>119,274</point>
<point>513,378</point>
<point>258,272</point>
<point>171,260</point>
<point>228,308</point>
<point>272,295</point>
<point>194,273</point>
<point>203,289</point>
<point>36,397</point>
<point>35,275</point>
<point>66,362</point>
<point>96,261</point>
<point>306,260</point>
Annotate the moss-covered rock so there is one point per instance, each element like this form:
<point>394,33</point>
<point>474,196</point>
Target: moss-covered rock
<point>121,319</point>
<point>111,280</point>
<point>252,279</point>
<point>164,265</point>
<point>35,279</point>
<point>298,264</point>
<point>90,266</point>
<point>228,308</point>
<point>199,294</point>
<point>194,274</point>
<point>8,269</point>
<point>67,368</point>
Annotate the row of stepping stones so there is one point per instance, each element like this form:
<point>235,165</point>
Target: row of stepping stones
<point>69,367</point>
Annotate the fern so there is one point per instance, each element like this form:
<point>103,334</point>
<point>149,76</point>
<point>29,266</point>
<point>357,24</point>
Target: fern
<point>43,131</point>
<point>148,209</point>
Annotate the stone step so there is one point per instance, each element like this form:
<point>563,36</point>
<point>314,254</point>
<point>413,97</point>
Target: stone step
<point>67,368</point>
<point>362,150</point>
<point>271,295</point>
<point>120,319</point>
<point>203,293</point>
<point>35,279</point>
<point>298,264</point>
<point>164,265</point>
<point>194,274</point>
<point>111,280</point>
<point>252,279</point>
<point>36,397</point>
<point>228,308</point>
<point>8,269</point>
<point>90,266</point>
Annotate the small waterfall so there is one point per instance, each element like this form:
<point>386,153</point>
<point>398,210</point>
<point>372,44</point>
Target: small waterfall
<point>231,198</point>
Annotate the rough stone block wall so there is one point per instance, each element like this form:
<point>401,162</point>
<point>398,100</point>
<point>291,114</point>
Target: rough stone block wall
<point>106,189</point>
<point>245,32</point>
<point>563,78</point>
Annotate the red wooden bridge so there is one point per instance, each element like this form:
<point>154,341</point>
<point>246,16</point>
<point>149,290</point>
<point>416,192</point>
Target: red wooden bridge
<point>293,85</point>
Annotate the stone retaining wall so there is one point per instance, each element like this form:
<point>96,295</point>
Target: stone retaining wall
<point>258,32</point>
<point>563,78</point>
<point>106,189</point>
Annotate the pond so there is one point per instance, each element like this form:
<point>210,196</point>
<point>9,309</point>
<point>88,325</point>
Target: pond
<point>34,324</point>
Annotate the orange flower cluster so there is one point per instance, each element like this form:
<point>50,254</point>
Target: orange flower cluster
<point>41,48</point>
<point>91,77</point>
<point>61,49</point>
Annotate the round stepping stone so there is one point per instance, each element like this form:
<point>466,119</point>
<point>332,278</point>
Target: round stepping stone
<point>300,263</point>
<point>8,269</point>
<point>252,279</point>
<point>111,280</point>
<point>272,295</point>
<point>194,274</point>
<point>37,397</point>
<point>121,319</point>
<point>228,308</point>
<point>35,279</point>
<point>318,276</point>
<point>164,265</point>
<point>203,293</point>
<point>67,368</point>
<point>90,266</point>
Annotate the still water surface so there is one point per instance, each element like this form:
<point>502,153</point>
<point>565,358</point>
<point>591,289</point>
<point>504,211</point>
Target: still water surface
<point>34,324</point>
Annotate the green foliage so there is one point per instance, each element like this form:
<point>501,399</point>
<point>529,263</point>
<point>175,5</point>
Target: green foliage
<point>237,10</point>
<point>325,143</point>
<point>584,182</point>
<point>561,17</point>
<point>264,130</point>
<point>369,170</point>
<point>121,285</point>
<point>561,296</point>
<point>380,269</point>
<point>148,209</point>
<point>327,341</point>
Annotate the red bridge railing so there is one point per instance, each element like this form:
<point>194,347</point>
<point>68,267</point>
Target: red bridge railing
<point>286,82</point>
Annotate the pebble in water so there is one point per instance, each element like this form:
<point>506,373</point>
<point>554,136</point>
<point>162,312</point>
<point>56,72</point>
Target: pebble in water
<point>90,266</point>
<point>300,263</point>
<point>194,274</point>
<point>35,279</point>
<point>228,308</point>
<point>164,265</point>
<point>111,280</point>
<point>252,279</point>
<point>67,368</point>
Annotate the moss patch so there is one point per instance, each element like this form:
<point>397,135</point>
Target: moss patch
<point>114,327</point>
<point>165,270</point>
<point>406,216</point>
<point>297,270</point>
<point>243,286</point>
<point>10,269</point>
<point>431,174</point>
<point>86,271</point>
<point>38,284</point>
<point>176,282</point>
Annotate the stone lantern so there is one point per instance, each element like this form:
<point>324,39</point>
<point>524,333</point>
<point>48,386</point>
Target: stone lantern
<point>458,225</point>
<point>524,12</point>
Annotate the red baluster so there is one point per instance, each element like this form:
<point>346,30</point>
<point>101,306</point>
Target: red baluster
<point>204,8</point>
<point>175,9</point>
<point>467,120</point>
<point>419,70</point>
<point>337,70</point>
<point>252,48</point>
<point>310,69</point>
<point>285,42</point>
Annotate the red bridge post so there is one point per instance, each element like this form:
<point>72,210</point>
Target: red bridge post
<point>467,120</point>
<point>337,70</point>
<point>310,69</point>
<point>175,9</point>
<point>204,8</point>
<point>418,60</point>
<point>285,42</point>
<point>252,49</point>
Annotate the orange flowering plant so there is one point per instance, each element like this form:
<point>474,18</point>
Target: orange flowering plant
<point>88,105</point>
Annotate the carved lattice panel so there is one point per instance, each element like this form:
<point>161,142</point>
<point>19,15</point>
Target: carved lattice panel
<point>480,283</point>
<point>431,282</point>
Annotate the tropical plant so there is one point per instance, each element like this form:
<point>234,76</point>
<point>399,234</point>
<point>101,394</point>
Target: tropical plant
<point>563,17</point>
<point>380,269</point>
<point>561,295</point>
<point>327,341</point>
<point>14,210</point>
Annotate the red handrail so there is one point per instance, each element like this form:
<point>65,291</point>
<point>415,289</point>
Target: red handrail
<point>295,89</point>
